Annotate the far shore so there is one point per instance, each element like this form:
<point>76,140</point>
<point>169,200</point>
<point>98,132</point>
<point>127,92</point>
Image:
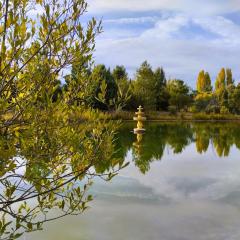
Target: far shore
<point>181,116</point>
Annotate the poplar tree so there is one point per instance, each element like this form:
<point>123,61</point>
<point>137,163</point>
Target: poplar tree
<point>208,82</point>
<point>229,77</point>
<point>200,81</point>
<point>204,82</point>
<point>221,80</point>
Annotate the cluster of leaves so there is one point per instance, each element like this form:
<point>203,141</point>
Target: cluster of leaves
<point>49,165</point>
<point>100,88</point>
<point>39,41</point>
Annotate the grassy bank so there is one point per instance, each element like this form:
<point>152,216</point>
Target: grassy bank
<point>166,116</point>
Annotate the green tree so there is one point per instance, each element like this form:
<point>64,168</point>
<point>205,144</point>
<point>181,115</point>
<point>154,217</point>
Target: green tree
<point>179,93</point>
<point>107,87</point>
<point>144,86</point>
<point>208,82</point>
<point>124,93</point>
<point>234,98</point>
<point>229,77</point>
<point>160,88</point>
<point>201,81</point>
<point>119,73</point>
<point>48,144</point>
<point>204,82</point>
<point>36,50</point>
<point>221,80</point>
<point>113,91</point>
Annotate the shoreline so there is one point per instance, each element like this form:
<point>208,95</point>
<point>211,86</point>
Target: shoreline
<point>182,120</point>
<point>180,117</point>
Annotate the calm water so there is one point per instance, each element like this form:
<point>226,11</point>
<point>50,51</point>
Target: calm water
<point>183,183</point>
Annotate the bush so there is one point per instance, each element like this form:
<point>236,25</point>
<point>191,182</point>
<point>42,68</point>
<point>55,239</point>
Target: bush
<point>224,110</point>
<point>212,108</point>
<point>193,109</point>
<point>172,110</point>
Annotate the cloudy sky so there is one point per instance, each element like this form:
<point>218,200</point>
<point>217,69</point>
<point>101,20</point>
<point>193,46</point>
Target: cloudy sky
<point>182,36</point>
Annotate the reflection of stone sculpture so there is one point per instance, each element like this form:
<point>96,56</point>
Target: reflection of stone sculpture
<point>140,119</point>
<point>138,145</point>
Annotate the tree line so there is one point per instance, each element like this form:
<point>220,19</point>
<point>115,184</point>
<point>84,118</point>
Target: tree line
<point>113,90</point>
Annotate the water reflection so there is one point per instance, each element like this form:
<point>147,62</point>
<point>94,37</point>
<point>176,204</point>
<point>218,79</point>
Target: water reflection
<point>47,168</point>
<point>177,136</point>
<point>189,189</point>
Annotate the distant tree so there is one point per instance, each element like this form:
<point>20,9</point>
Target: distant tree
<point>145,86</point>
<point>204,82</point>
<point>107,87</point>
<point>200,81</point>
<point>179,93</point>
<point>234,99</point>
<point>119,73</point>
<point>229,77</point>
<point>124,93</point>
<point>221,80</point>
<point>208,82</point>
<point>206,102</point>
<point>161,93</point>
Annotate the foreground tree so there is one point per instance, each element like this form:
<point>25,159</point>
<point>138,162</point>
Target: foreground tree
<point>50,146</point>
<point>36,50</point>
<point>50,166</point>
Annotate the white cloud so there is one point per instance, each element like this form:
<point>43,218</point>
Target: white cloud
<point>205,7</point>
<point>133,20</point>
<point>221,26</point>
<point>166,45</point>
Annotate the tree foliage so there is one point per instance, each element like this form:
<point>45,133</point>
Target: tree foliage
<point>221,80</point>
<point>229,77</point>
<point>204,82</point>
<point>51,141</point>
<point>179,93</point>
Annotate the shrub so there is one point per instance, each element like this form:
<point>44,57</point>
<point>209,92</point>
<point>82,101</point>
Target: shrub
<point>224,110</point>
<point>212,108</point>
<point>193,109</point>
<point>172,110</point>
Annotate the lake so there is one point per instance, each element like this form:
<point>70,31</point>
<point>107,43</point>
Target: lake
<point>182,183</point>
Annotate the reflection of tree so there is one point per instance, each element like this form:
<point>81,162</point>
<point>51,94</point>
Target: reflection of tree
<point>158,135</point>
<point>222,135</point>
<point>202,143</point>
<point>221,141</point>
<point>202,137</point>
<point>50,165</point>
<point>152,145</point>
<point>150,150</point>
<point>179,136</point>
